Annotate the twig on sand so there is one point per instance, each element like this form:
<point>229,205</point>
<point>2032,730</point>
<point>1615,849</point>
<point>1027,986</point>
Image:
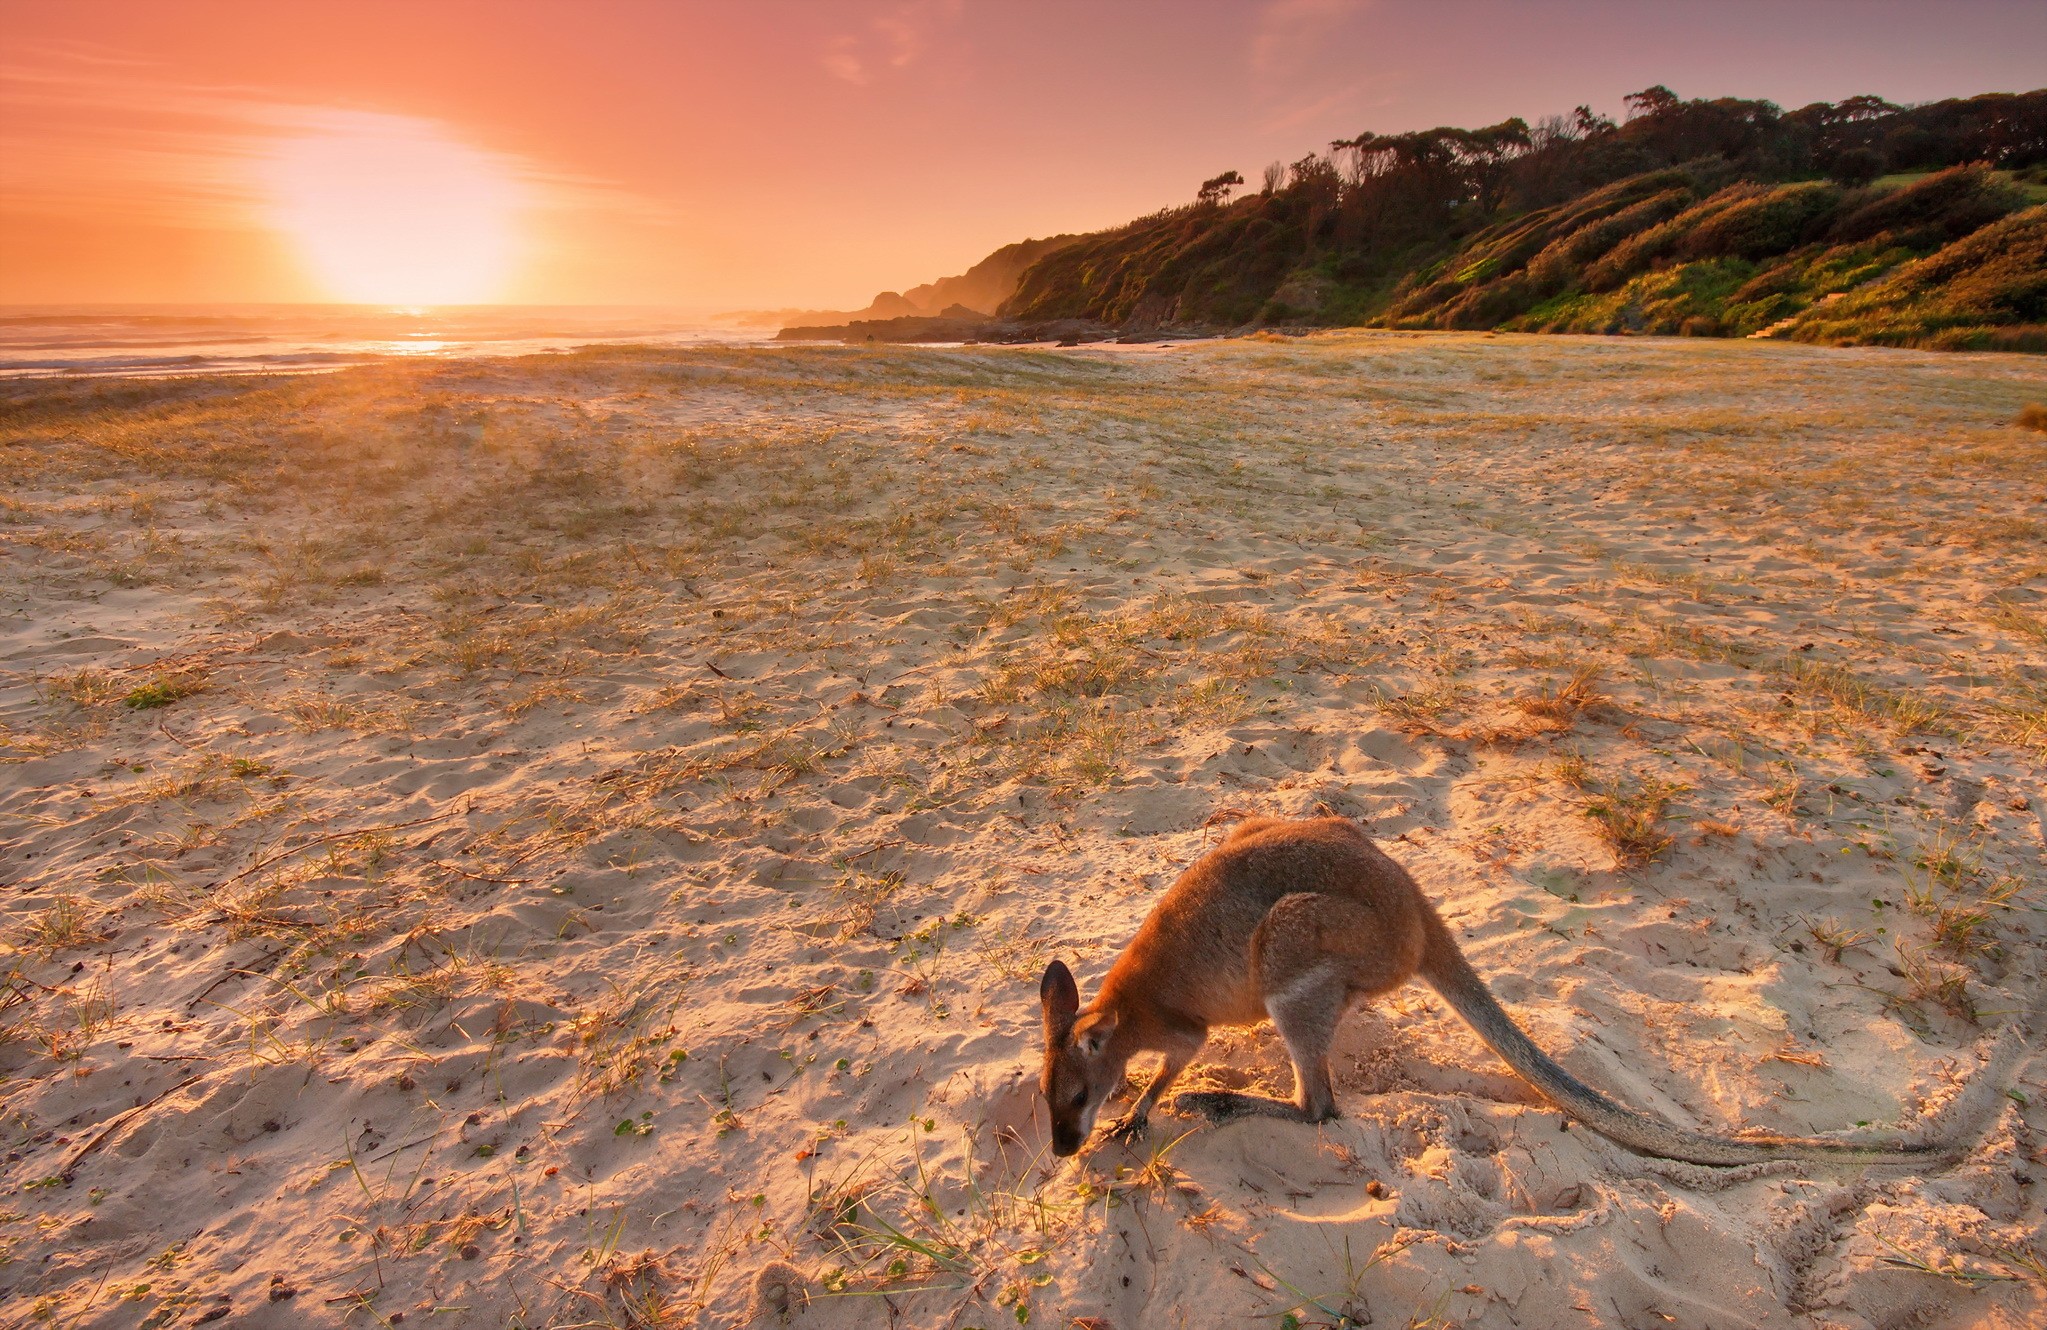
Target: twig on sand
<point>282,855</point>
<point>475,877</point>
<point>417,1140</point>
<point>114,1123</point>
<point>200,996</point>
<point>174,738</point>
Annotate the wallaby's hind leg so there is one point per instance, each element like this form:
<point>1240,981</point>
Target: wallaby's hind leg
<point>1313,954</point>
<point>1306,1011</point>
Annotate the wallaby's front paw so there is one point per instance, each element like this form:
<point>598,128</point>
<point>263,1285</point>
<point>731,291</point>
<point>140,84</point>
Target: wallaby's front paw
<point>1215,1105</point>
<point>1130,1130</point>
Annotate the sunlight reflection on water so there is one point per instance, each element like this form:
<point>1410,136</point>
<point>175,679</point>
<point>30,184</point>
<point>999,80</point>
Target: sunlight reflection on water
<point>44,341</point>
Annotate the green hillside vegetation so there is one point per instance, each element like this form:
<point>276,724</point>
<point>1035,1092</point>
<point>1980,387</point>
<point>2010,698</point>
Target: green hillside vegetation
<point>1662,254</point>
<point>1984,293</point>
<point>1852,222</point>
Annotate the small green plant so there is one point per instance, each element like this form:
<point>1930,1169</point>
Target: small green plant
<point>83,687</point>
<point>1572,769</point>
<point>1343,1307</point>
<point>1947,861</point>
<point>863,894</point>
<point>164,690</point>
<point>1416,711</point>
<point>2031,1260</point>
<point>1784,792</point>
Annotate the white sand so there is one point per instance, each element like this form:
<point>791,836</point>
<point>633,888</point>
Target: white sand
<point>789,708</point>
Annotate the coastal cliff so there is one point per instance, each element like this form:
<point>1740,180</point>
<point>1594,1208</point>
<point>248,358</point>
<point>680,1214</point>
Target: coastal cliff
<point>1858,221</point>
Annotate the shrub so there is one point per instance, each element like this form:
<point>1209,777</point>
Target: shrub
<point>1557,264</point>
<point>1646,247</point>
<point>1754,227</point>
<point>1930,212</point>
<point>1857,166</point>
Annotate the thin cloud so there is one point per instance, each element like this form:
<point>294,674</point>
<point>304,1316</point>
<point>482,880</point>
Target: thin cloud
<point>889,42</point>
<point>842,60</point>
<point>1291,34</point>
<point>1289,66</point>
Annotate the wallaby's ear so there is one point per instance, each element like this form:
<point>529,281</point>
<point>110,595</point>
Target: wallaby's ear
<point>1091,1032</point>
<point>1059,993</point>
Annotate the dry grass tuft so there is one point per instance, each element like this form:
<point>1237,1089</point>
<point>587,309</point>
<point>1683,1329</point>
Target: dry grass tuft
<point>87,687</point>
<point>1420,710</point>
<point>1836,936</point>
<point>67,923</point>
<point>1628,818</point>
<point>1942,983</point>
<point>1567,699</point>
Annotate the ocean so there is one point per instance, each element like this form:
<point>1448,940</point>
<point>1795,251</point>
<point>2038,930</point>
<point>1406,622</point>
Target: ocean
<point>74,340</point>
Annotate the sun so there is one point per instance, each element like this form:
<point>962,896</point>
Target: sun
<point>387,210</point>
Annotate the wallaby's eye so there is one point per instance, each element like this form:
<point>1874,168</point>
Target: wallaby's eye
<point>1080,1100</point>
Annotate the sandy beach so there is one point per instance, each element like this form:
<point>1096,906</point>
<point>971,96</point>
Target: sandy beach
<point>573,841</point>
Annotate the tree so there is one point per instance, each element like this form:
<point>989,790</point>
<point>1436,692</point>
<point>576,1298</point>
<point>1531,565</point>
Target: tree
<point>1651,101</point>
<point>1866,106</point>
<point>1857,166</point>
<point>1216,191</point>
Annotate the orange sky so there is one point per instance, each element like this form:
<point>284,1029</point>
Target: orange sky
<point>769,153</point>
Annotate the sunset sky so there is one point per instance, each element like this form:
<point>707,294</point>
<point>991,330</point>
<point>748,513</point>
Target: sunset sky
<point>764,154</point>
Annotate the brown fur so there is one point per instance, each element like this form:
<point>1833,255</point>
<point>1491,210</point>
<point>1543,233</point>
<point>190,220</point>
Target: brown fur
<point>1297,922</point>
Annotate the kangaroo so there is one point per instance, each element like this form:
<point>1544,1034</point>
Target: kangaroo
<point>1298,922</point>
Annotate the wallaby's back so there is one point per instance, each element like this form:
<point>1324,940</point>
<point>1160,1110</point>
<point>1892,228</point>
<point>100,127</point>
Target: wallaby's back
<point>1194,955</point>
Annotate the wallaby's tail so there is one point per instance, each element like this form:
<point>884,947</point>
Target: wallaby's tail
<point>1444,967</point>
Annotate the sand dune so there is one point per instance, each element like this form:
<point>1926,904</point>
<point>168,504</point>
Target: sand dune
<point>574,841</point>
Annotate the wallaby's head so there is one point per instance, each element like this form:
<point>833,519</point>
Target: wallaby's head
<point>1080,1069</point>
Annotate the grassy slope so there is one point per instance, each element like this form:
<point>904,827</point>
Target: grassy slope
<point>1730,262</point>
<point>1985,292</point>
<point>1678,251</point>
